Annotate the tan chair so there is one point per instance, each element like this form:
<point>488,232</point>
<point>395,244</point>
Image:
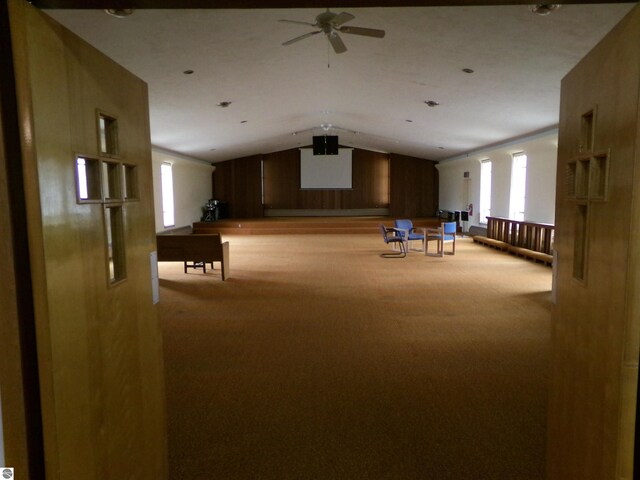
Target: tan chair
<point>446,233</point>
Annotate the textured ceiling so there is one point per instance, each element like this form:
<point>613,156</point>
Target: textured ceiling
<point>372,96</point>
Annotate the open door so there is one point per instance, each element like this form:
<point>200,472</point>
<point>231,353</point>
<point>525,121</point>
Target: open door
<point>86,167</point>
<point>596,325</point>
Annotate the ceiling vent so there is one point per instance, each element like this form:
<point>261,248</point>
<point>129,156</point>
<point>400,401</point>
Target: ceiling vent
<point>543,8</point>
<point>119,12</point>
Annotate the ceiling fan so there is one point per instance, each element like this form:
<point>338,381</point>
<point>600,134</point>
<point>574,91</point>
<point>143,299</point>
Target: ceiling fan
<point>331,24</point>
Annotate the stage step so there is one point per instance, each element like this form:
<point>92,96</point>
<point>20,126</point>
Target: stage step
<point>297,225</point>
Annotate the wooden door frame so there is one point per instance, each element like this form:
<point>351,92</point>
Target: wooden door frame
<point>165,4</point>
<point>19,379</point>
<point>24,432</point>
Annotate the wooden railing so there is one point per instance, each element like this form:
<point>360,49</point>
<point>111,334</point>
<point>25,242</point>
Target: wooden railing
<point>528,239</point>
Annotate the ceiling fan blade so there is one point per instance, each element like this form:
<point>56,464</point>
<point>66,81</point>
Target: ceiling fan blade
<point>368,32</point>
<point>301,37</point>
<point>299,23</point>
<point>336,42</point>
<point>341,18</point>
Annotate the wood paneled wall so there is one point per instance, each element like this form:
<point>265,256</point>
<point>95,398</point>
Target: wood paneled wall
<point>414,186</point>
<point>370,173</point>
<point>238,183</point>
<point>374,177</point>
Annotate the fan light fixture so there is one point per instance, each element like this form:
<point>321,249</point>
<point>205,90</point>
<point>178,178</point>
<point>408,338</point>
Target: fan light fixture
<point>331,24</point>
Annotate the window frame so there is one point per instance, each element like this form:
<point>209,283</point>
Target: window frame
<point>485,196</point>
<point>518,181</point>
<point>167,195</point>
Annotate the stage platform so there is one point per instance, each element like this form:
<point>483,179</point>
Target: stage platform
<point>303,225</point>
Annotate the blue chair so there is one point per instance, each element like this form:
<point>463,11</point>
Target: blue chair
<point>446,233</point>
<point>408,232</point>
<point>391,237</point>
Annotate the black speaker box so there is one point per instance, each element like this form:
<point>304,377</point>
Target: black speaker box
<point>318,145</point>
<point>332,145</point>
<point>325,145</point>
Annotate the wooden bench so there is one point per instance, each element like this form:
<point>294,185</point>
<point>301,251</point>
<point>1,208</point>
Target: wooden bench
<point>195,250</point>
<point>524,239</point>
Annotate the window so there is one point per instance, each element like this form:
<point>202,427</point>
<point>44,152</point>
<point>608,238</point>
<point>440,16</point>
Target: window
<point>166,175</point>
<point>485,190</point>
<point>518,186</point>
<point>111,181</point>
<point>114,230</point>
<point>107,134</point>
<point>130,182</point>
<point>87,180</point>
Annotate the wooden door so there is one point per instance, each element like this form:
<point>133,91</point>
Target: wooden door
<point>596,324</point>
<point>86,152</point>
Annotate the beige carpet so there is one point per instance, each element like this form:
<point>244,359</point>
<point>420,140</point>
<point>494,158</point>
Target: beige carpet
<point>318,359</point>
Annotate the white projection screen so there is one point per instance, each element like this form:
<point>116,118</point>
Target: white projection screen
<point>328,172</point>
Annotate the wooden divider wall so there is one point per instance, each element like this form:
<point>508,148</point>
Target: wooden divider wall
<point>238,183</point>
<point>530,235</point>
<point>413,186</point>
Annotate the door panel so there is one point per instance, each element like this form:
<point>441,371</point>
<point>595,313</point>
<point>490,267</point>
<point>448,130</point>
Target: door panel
<point>99,343</point>
<point>595,335</point>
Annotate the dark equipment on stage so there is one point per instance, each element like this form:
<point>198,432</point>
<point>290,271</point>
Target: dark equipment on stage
<point>211,211</point>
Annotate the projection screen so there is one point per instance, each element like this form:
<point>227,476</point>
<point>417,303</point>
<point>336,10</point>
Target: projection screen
<point>329,172</point>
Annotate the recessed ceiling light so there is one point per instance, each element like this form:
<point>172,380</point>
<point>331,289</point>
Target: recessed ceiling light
<point>467,70</point>
<point>119,12</point>
<point>188,72</point>
<point>543,8</point>
<point>431,103</point>
<point>224,104</point>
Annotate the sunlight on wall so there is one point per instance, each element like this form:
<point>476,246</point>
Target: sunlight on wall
<point>192,188</point>
<point>541,151</point>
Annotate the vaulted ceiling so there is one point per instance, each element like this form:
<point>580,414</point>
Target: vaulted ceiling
<point>372,96</point>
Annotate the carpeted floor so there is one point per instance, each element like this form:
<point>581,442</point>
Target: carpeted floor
<point>318,359</point>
